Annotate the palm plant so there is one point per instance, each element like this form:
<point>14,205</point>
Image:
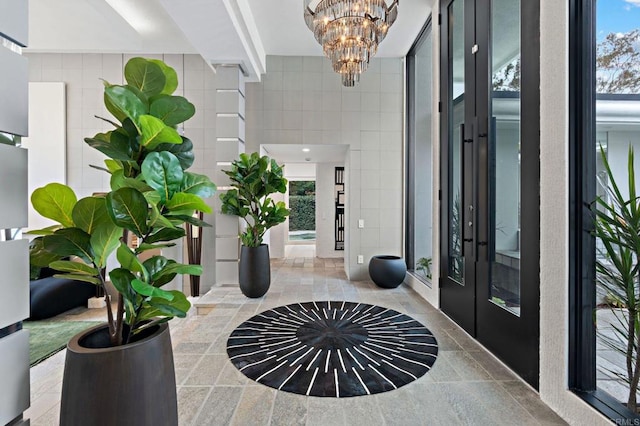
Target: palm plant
<point>617,226</point>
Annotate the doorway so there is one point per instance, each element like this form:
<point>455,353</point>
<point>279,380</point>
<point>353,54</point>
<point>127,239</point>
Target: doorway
<point>301,223</point>
<point>490,175</point>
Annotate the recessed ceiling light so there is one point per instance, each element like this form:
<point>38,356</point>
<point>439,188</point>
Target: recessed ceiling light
<point>306,150</point>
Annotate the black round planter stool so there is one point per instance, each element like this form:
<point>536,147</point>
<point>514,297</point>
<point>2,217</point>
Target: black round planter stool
<point>387,271</point>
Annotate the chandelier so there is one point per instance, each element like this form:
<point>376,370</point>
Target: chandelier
<point>350,31</point>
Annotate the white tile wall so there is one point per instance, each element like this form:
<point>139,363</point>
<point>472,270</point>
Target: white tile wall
<point>82,74</point>
<point>301,101</point>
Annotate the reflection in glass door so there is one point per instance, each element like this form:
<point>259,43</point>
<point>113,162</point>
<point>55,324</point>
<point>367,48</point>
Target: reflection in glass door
<point>504,156</point>
<point>456,102</point>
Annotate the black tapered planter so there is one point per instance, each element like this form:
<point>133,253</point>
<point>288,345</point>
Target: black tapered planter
<point>134,384</point>
<point>387,271</point>
<point>255,271</point>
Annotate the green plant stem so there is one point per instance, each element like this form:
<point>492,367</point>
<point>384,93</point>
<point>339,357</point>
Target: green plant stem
<point>107,299</point>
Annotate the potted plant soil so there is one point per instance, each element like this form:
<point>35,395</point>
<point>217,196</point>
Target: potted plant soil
<point>122,372</point>
<point>254,178</point>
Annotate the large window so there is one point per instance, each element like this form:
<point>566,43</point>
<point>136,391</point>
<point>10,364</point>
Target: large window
<point>605,125</point>
<point>419,157</point>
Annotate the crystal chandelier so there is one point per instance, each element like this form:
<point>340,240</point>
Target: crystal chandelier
<point>350,31</point>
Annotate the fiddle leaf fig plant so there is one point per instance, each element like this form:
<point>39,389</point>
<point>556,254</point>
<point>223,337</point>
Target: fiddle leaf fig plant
<point>254,178</point>
<point>152,195</point>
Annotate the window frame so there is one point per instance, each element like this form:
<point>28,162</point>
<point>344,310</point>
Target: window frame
<point>410,147</point>
<point>582,193</point>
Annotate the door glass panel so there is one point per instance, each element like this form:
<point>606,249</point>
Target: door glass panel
<point>456,106</point>
<point>422,158</point>
<point>504,156</point>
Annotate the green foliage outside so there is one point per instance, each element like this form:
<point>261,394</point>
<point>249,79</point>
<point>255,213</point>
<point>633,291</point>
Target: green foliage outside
<point>152,196</point>
<point>303,212</point>
<point>302,187</point>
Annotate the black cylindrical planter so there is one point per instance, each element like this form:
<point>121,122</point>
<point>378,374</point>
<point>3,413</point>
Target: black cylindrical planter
<point>134,384</point>
<point>255,271</point>
<point>387,271</point>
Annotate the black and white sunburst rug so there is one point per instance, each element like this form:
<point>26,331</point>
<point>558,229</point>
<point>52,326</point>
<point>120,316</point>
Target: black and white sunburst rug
<point>332,349</point>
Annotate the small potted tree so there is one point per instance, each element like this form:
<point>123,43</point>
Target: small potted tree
<point>122,372</point>
<point>254,178</point>
<point>617,226</point>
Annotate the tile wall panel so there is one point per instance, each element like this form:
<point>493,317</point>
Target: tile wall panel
<point>14,91</point>
<point>14,22</point>
<point>14,285</point>
<point>14,196</point>
<point>14,370</point>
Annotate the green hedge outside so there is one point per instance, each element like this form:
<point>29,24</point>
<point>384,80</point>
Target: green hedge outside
<point>303,213</point>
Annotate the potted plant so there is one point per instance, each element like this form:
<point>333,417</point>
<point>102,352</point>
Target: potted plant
<point>122,372</point>
<point>617,226</point>
<point>423,265</point>
<point>254,178</point>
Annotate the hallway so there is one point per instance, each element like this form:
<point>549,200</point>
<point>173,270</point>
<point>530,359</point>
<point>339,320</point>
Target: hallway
<point>465,386</point>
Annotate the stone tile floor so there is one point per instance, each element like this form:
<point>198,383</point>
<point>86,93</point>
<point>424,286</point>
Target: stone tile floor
<point>465,386</point>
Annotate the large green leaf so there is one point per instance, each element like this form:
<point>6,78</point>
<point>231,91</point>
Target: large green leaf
<point>178,307</point>
<point>125,103</point>
<point>129,260</point>
<point>172,110</point>
<point>150,291</point>
<point>154,132</point>
<point>111,144</point>
<point>121,279</point>
<point>79,277</point>
<point>183,151</point>
<point>157,220</point>
<point>146,246</point>
<point>55,201</point>
<point>145,76</point>
<point>104,240</point>
<point>154,265</point>
<point>199,185</point>
<point>74,267</point>
<point>38,255</point>
<point>128,209</point>
<point>165,234</point>
<point>89,213</point>
<point>49,230</point>
<point>69,242</point>
<point>182,201</point>
<point>180,268</point>
<point>170,75</point>
<point>163,173</point>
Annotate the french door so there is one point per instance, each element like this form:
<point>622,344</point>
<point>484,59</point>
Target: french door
<point>490,175</point>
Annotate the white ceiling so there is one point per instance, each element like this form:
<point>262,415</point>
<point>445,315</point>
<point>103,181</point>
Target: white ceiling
<point>283,31</point>
<point>222,31</point>
<point>317,153</point>
<point>94,26</point>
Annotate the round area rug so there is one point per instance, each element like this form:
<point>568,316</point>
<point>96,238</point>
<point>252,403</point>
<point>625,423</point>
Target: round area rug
<point>333,349</point>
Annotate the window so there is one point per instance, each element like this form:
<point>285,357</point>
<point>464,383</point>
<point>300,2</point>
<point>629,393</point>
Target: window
<point>605,123</point>
<point>419,156</point>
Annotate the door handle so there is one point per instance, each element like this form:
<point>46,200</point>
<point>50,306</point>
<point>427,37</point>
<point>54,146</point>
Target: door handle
<point>467,219</point>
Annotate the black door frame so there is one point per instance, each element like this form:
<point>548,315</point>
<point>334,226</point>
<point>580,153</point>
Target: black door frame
<point>492,325</point>
<point>460,304</point>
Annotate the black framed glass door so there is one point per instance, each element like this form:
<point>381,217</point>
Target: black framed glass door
<point>490,179</point>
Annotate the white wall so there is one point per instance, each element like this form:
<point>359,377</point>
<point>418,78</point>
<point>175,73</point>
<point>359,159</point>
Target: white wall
<point>325,211</point>
<point>301,100</point>
<point>554,221</point>
<point>81,74</point>
<point>46,142</point>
